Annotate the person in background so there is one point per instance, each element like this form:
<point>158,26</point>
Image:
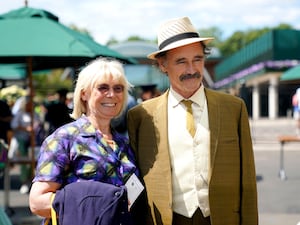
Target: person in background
<point>22,128</point>
<point>5,119</point>
<point>58,113</point>
<point>193,145</point>
<point>87,149</point>
<point>120,123</point>
<point>148,91</point>
<point>296,110</point>
<point>5,131</point>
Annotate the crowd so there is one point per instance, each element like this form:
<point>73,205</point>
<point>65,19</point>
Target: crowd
<point>24,119</point>
<point>16,127</point>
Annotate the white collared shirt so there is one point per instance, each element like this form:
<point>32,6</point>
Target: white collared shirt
<point>189,155</point>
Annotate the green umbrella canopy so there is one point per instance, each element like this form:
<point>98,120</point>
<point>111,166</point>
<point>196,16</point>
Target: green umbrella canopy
<point>17,71</point>
<point>291,74</point>
<point>27,12</point>
<point>28,32</point>
<point>35,37</point>
<point>12,71</point>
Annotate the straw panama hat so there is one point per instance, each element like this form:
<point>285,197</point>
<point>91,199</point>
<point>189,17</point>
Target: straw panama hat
<point>175,33</point>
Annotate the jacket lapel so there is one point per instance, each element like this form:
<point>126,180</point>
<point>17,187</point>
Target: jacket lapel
<point>161,132</point>
<point>214,125</point>
<point>161,122</point>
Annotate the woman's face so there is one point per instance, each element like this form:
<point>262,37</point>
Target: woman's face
<point>105,99</point>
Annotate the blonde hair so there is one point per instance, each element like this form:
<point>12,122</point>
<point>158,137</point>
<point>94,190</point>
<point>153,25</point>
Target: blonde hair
<point>96,71</point>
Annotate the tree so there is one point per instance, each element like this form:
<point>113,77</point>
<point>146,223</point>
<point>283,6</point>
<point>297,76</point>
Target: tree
<point>232,44</point>
<point>136,38</point>
<point>239,39</point>
<point>212,32</point>
<point>113,40</point>
<point>80,30</point>
<point>50,81</point>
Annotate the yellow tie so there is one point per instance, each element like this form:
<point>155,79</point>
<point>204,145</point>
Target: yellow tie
<point>190,125</point>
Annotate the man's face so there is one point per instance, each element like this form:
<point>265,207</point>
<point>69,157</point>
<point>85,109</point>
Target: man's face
<point>184,67</point>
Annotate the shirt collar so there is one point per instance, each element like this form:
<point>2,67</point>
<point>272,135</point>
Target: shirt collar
<point>198,97</point>
<point>87,129</point>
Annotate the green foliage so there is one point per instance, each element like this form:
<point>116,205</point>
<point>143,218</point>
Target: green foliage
<point>226,46</point>
<point>232,44</point>
<point>112,41</point>
<point>239,39</point>
<point>80,30</point>
<point>212,32</point>
<point>49,82</point>
<point>135,38</point>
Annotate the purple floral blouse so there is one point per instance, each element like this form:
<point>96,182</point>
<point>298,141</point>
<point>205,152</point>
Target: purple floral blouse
<point>77,151</point>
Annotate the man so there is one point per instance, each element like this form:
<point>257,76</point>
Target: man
<point>5,119</point>
<point>204,177</point>
<point>148,91</point>
<point>58,112</point>
<point>120,123</point>
<point>5,131</point>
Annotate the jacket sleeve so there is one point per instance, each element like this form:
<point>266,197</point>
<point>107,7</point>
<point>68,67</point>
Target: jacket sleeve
<point>249,211</point>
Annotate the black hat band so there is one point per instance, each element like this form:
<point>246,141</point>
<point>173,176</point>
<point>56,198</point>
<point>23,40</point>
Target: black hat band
<point>178,37</point>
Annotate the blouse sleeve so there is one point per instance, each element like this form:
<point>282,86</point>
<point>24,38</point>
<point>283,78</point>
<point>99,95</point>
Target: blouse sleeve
<point>53,159</point>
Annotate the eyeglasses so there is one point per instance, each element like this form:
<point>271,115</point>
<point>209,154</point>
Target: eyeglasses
<point>104,88</point>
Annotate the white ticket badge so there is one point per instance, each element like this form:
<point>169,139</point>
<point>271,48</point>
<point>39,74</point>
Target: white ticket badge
<point>134,188</point>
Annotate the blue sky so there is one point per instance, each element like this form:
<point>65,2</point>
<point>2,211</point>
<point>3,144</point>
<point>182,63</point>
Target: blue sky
<point>122,18</point>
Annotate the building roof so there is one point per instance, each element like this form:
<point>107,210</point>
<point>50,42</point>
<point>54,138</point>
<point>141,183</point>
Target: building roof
<point>276,50</point>
<point>135,49</point>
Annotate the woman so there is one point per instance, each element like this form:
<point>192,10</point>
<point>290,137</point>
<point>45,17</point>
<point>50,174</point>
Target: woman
<point>86,149</point>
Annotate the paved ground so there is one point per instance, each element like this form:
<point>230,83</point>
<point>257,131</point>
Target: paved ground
<point>279,200</point>
<point>17,209</point>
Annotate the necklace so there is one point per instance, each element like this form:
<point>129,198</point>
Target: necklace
<point>111,143</point>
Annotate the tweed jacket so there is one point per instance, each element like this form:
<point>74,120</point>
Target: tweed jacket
<point>232,185</point>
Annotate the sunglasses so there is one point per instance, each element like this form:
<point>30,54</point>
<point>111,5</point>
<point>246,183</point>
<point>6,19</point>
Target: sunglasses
<point>104,88</point>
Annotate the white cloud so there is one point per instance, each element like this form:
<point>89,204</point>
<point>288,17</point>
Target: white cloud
<point>121,18</point>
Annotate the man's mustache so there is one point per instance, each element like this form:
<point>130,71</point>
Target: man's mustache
<point>189,76</point>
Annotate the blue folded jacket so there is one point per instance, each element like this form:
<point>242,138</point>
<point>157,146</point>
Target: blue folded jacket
<point>92,203</point>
